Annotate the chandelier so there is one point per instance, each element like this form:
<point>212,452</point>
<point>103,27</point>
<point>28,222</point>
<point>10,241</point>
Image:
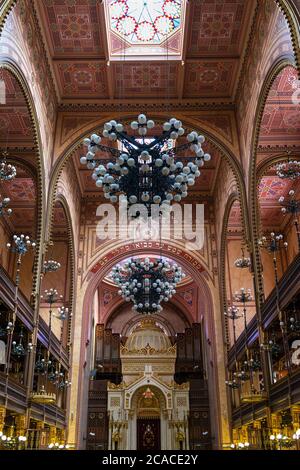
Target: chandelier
<point>7,171</point>
<point>147,283</point>
<point>18,349</point>
<point>4,209</point>
<point>51,266</point>
<point>242,262</point>
<point>288,170</point>
<point>145,170</point>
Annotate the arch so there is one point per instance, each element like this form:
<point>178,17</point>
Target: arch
<point>71,244</point>
<point>208,293</point>
<point>223,297</point>
<point>40,170</point>
<point>292,16</point>
<point>252,189</point>
<point>130,325</point>
<point>163,398</point>
<point>5,9</point>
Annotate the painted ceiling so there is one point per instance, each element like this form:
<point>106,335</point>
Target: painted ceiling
<point>15,122</point>
<point>281,117</point>
<point>270,189</point>
<point>89,46</point>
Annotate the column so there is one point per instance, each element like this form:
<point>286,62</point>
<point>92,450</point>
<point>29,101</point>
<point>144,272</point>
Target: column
<point>2,417</point>
<point>52,435</point>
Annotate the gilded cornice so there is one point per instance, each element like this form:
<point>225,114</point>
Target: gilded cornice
<point>148,351</point>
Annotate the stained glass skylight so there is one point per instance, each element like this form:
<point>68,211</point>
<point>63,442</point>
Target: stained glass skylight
<point>145,21</point>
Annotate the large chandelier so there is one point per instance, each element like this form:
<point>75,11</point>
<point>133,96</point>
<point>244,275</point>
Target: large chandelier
<point>145,170</point>
<point>147,283</point>
<point>288,170</point>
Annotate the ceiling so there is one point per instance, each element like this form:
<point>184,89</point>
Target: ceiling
<point>79,42</point>
<point>281,118</point>
<point>271,188</point>
<point>15,121</point>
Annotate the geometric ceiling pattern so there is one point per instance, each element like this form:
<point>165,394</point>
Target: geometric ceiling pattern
<point>22,194</point>
<point>15,122</point>
<point>235,218</point>
<point>81,35</point>
<point>270,189</point>
<point>144,28</point>
<point>281,118</point>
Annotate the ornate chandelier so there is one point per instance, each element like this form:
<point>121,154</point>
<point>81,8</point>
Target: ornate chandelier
<point>242,262</point>
<point>51,266</point>
<point>147,283</point>
<point>145,170</point>
<point>4,209</point>
<point>288,170</point>
<point>7,171</point>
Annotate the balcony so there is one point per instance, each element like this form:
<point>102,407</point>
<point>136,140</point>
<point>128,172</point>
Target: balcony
<point>289,286</point>
<point>14,392</point>
<point>7,295</point>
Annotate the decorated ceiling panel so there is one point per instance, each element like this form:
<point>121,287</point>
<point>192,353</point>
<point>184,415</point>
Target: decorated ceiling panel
<point>281,118</point>
<point>271,188</point>
<point>73,27</point>
<point>15,121</point>
<point>86,78</point>
<point>154,49</point>
<point>235,219</point>
<point>146,79</point>
<point>218,27</point>
<point>210,78</point>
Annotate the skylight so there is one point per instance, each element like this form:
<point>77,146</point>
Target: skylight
<point>145,28</point>
<point>145,21</point>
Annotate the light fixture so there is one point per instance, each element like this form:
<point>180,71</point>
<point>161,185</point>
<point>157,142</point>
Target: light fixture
<point>145,171</point>
<point>51,266</point>
<point>20,246</point>
<point>63,313</point>
<point>288,170</point>
<point>4,209</point>
<point>18,349</point>
<point>273,242</point>
<point>43,397</point>
<point>242,262</point>
<point>147,283</point>
<point>7,171</point>
<point>243,295</point>
<point>292,206</point>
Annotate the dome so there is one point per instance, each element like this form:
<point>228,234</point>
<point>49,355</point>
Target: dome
<point>147,333</point>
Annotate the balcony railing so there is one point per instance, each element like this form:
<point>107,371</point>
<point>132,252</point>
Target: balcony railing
<point>288,287</point>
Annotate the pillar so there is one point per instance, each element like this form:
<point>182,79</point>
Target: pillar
<point>2,417</point>
<point>20,422</point>
<point>52,435</point>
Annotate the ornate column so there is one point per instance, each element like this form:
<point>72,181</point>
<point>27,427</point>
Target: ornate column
<point>20,422</point>
<point>39,427</point>
<point>2,417</point>
<point>52,435</point>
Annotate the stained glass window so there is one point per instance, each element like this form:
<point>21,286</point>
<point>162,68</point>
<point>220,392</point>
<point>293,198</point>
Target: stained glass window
<point>145,21</point>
